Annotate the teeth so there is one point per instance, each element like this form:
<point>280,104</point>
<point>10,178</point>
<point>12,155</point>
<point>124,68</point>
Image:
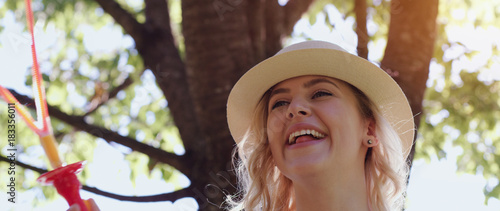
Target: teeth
<point>293,136</point>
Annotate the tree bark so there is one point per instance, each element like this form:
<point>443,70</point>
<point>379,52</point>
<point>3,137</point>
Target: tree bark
<point>124,18</point>
<point>218,51</point>
<point>410,46</point>
<point>223,39</point>
<point>361,31</point>
<point>161,55</point>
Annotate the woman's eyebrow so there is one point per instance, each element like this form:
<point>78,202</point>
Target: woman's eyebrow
<point>306,85</point>
<point>279,91</point>
<point>319,80</point>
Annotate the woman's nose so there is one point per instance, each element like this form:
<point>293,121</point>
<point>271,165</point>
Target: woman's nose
<point>298,108</point>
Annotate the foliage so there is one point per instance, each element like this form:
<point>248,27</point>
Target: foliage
<point>76,70</point>
<point>462,104</point>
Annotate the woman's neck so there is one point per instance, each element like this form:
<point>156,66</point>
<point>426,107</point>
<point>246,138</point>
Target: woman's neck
<point>332,192</point>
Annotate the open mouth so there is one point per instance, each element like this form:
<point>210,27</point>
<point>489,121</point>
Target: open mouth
<point>312,134</point>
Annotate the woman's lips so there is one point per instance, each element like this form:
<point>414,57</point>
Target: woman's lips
<point>304,132</point>
<point>305,141</point>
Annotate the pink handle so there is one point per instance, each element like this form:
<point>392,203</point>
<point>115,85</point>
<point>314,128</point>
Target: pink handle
<point>66,183</point>
<point>69,187</point>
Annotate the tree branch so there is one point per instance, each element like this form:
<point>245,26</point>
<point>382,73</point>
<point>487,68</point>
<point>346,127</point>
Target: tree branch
<point>293,12</point>
<point>78,122</point>
<point>275,21</point>
<point>155,42</point>
<point>124,18</point>
<point>256,27</point>
<point>162,57</point>
<point>24,165</point>
<point>186,192</point>
<point>151,198</point>
<point>156,12</point>
<point>361,31</point>
<point>280,21</point>
<point>110,95</point>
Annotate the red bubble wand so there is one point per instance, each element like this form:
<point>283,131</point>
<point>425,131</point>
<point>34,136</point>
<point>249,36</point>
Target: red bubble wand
<point>63,177</point>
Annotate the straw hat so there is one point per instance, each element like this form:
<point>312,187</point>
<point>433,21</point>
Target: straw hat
<point>325,59</point>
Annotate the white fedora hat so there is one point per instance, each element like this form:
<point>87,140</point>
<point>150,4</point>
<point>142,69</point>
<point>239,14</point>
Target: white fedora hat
<point>325,59</point>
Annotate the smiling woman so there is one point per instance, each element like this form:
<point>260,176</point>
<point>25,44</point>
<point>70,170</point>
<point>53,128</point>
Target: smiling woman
<point>319,129</point>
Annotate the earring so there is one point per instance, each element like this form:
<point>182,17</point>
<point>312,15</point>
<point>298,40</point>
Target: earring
<point>370,141</point>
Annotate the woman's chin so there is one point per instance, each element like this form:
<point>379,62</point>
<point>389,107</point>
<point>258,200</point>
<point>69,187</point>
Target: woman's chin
<point>307,166</point>
<point>307,155</point>
<point>306,159</point>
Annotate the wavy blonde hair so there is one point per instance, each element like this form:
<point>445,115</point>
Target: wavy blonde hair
<point>261,186</point>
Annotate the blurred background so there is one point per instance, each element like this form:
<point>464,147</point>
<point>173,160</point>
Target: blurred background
<point>138,90</point>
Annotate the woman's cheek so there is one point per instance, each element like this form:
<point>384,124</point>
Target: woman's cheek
<point>275,125</point>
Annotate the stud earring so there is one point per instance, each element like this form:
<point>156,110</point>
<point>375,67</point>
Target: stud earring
<point>370,141</point>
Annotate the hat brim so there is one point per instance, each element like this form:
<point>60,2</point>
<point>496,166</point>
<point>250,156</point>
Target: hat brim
<point>384,92</point>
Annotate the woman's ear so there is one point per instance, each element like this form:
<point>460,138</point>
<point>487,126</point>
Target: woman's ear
<point>370,137</point>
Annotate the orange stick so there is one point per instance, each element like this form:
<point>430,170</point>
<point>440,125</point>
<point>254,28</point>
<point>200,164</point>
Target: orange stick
<point>38,88</point>
<point>47,139</point>
<point>9,98</point>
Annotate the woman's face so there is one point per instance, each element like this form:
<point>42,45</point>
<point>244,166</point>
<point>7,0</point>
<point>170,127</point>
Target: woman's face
<point>314,125</point>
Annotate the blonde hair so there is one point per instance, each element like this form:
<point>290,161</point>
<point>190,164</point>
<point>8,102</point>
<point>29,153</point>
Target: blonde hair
<point>261,186</point>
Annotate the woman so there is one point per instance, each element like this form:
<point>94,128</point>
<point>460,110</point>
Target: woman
<point>319,129</point>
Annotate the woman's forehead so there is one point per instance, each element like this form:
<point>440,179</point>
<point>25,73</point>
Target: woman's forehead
<point>309,79</point>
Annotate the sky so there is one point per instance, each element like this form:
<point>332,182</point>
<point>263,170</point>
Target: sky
<point>434,185</point>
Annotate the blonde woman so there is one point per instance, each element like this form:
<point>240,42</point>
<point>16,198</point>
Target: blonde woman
<point>319,129</point>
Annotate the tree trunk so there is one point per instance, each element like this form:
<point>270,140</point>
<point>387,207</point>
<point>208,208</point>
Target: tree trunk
<point>218,51</point>
<point>410,46</point>
<point>223,40</point>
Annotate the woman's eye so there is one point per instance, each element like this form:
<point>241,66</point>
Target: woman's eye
<point>278,104</point>
<point>321,94</point>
